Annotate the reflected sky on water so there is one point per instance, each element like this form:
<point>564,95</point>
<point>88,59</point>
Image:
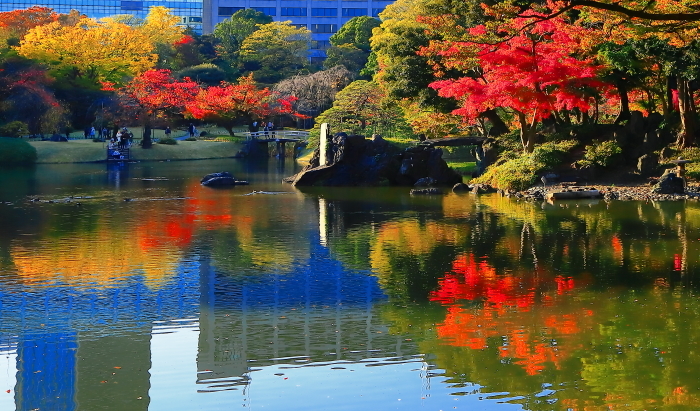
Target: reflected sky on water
<point>135,288</point>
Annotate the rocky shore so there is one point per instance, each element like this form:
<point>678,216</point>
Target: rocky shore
<point>610,191</point>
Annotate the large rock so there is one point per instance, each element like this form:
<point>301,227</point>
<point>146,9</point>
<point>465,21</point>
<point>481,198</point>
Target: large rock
<point>223,179</point>
<point>669,183</point>
<point>356,161</point>
<point>648,164</point>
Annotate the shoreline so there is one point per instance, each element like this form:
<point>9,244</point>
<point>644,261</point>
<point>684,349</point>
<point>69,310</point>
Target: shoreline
<point>611,191</point>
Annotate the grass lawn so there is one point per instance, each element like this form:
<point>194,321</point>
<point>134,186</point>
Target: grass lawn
<point>465,168</point>
<point>82,151</point>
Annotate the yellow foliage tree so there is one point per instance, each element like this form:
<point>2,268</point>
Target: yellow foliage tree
<point>161,26</point>
<point>108,52</point>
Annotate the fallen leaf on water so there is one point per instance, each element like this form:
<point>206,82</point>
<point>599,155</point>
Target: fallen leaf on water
<point>102,382</point>
<point>8,391</point>
<point>119,368</point>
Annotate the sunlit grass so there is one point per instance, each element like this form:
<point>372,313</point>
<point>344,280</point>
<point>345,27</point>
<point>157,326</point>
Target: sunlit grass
<point>465,168</point>
<point>83,151</point>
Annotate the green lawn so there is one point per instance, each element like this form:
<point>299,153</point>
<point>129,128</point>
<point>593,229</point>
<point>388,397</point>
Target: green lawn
<point>83,151</point>
<point>465,168</point>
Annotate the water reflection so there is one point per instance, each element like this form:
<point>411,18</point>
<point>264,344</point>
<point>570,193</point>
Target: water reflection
<point>157,293</point>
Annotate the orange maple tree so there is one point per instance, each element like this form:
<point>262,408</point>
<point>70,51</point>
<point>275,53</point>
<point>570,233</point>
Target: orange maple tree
<point>232,104</point>
<point>16,23</point>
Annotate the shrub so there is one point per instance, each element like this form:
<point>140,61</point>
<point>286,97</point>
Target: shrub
<point>14,129</point>
<point>14,152</point>
<point>519,172</point>
<point>549,155</point>
<point>600,154</point>
<point>692,169</point>
<point>515,174</point>
<point>188,139</point>
<point>168,141</point>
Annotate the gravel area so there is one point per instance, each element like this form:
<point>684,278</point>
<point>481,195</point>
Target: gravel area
<point>609,191</point>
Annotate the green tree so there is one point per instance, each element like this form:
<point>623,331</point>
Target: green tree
<point>357,32</point>
<point>404,74</point>
<point>351,44</point>
<point>362,108</point>
<point>346,55</point>
<point>276,51</point>
<point>207,73</point>
<point>231,33</point>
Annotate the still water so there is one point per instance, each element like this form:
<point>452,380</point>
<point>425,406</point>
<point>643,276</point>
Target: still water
<point>135,288</point>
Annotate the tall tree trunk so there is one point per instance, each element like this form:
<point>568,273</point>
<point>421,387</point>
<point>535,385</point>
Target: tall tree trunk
<point>668,106</point>
<point>689,121</point>
<point>147,142</point>
<point>528,132</point>
<point>624,113</point>
<point>498,126</point>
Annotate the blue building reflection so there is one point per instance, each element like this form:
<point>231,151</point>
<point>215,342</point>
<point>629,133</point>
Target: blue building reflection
<point>80,348</point>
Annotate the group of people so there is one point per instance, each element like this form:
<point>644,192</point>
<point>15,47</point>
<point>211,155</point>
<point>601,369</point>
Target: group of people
<point>91,132</point>
<point>255,127</point>
<point>121,139</point>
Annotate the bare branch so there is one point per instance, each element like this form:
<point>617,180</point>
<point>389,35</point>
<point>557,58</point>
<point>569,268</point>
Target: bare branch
<point>640,14</point>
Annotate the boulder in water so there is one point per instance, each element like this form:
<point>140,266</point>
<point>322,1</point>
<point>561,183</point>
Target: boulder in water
<point>223,179</point>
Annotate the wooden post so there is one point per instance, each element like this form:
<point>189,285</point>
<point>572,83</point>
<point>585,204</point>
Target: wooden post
<point>323,143</point>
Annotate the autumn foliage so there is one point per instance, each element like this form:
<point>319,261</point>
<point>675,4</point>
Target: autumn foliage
<point>156,93</point>
<point>230,104</point>
<point>17,23</point>
<point>534,73</point>
<point>505,302</point>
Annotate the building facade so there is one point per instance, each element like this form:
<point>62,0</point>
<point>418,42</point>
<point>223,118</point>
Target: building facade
<point>190,11</point>
<point>321,17</point>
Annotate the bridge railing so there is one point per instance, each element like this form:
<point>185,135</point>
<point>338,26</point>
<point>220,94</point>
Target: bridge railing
<point>274,134</point>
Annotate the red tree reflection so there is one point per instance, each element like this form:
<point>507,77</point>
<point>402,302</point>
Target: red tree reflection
<point>525,313</point>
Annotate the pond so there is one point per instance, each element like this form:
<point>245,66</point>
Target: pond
<point>135,288</point>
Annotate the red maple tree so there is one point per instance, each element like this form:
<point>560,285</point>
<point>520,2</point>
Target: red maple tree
<point>532,72</point>
<point>154,94</point>
<point>157,94</point>
<point>229,104</point>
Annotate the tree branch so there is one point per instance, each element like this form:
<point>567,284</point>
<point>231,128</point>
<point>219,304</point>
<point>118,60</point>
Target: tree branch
<point>640,14</point>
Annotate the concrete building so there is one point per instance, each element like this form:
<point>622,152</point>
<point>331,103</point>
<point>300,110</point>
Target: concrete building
<point>189,10</point>
<point>322,17</point>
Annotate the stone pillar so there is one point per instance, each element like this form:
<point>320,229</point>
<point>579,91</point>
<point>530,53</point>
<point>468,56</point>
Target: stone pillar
<point>323,143</point>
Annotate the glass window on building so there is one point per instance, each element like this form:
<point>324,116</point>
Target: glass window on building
<point>268,11</point>
<point>354,12</point>
<point>320,44</point>
<point>293,11</point>
<point>324,28</point>
<point>299,26</point>
<point>132,5</point>
<point>229,11</point>
<point>324,12</point>
<point>375,12</point>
